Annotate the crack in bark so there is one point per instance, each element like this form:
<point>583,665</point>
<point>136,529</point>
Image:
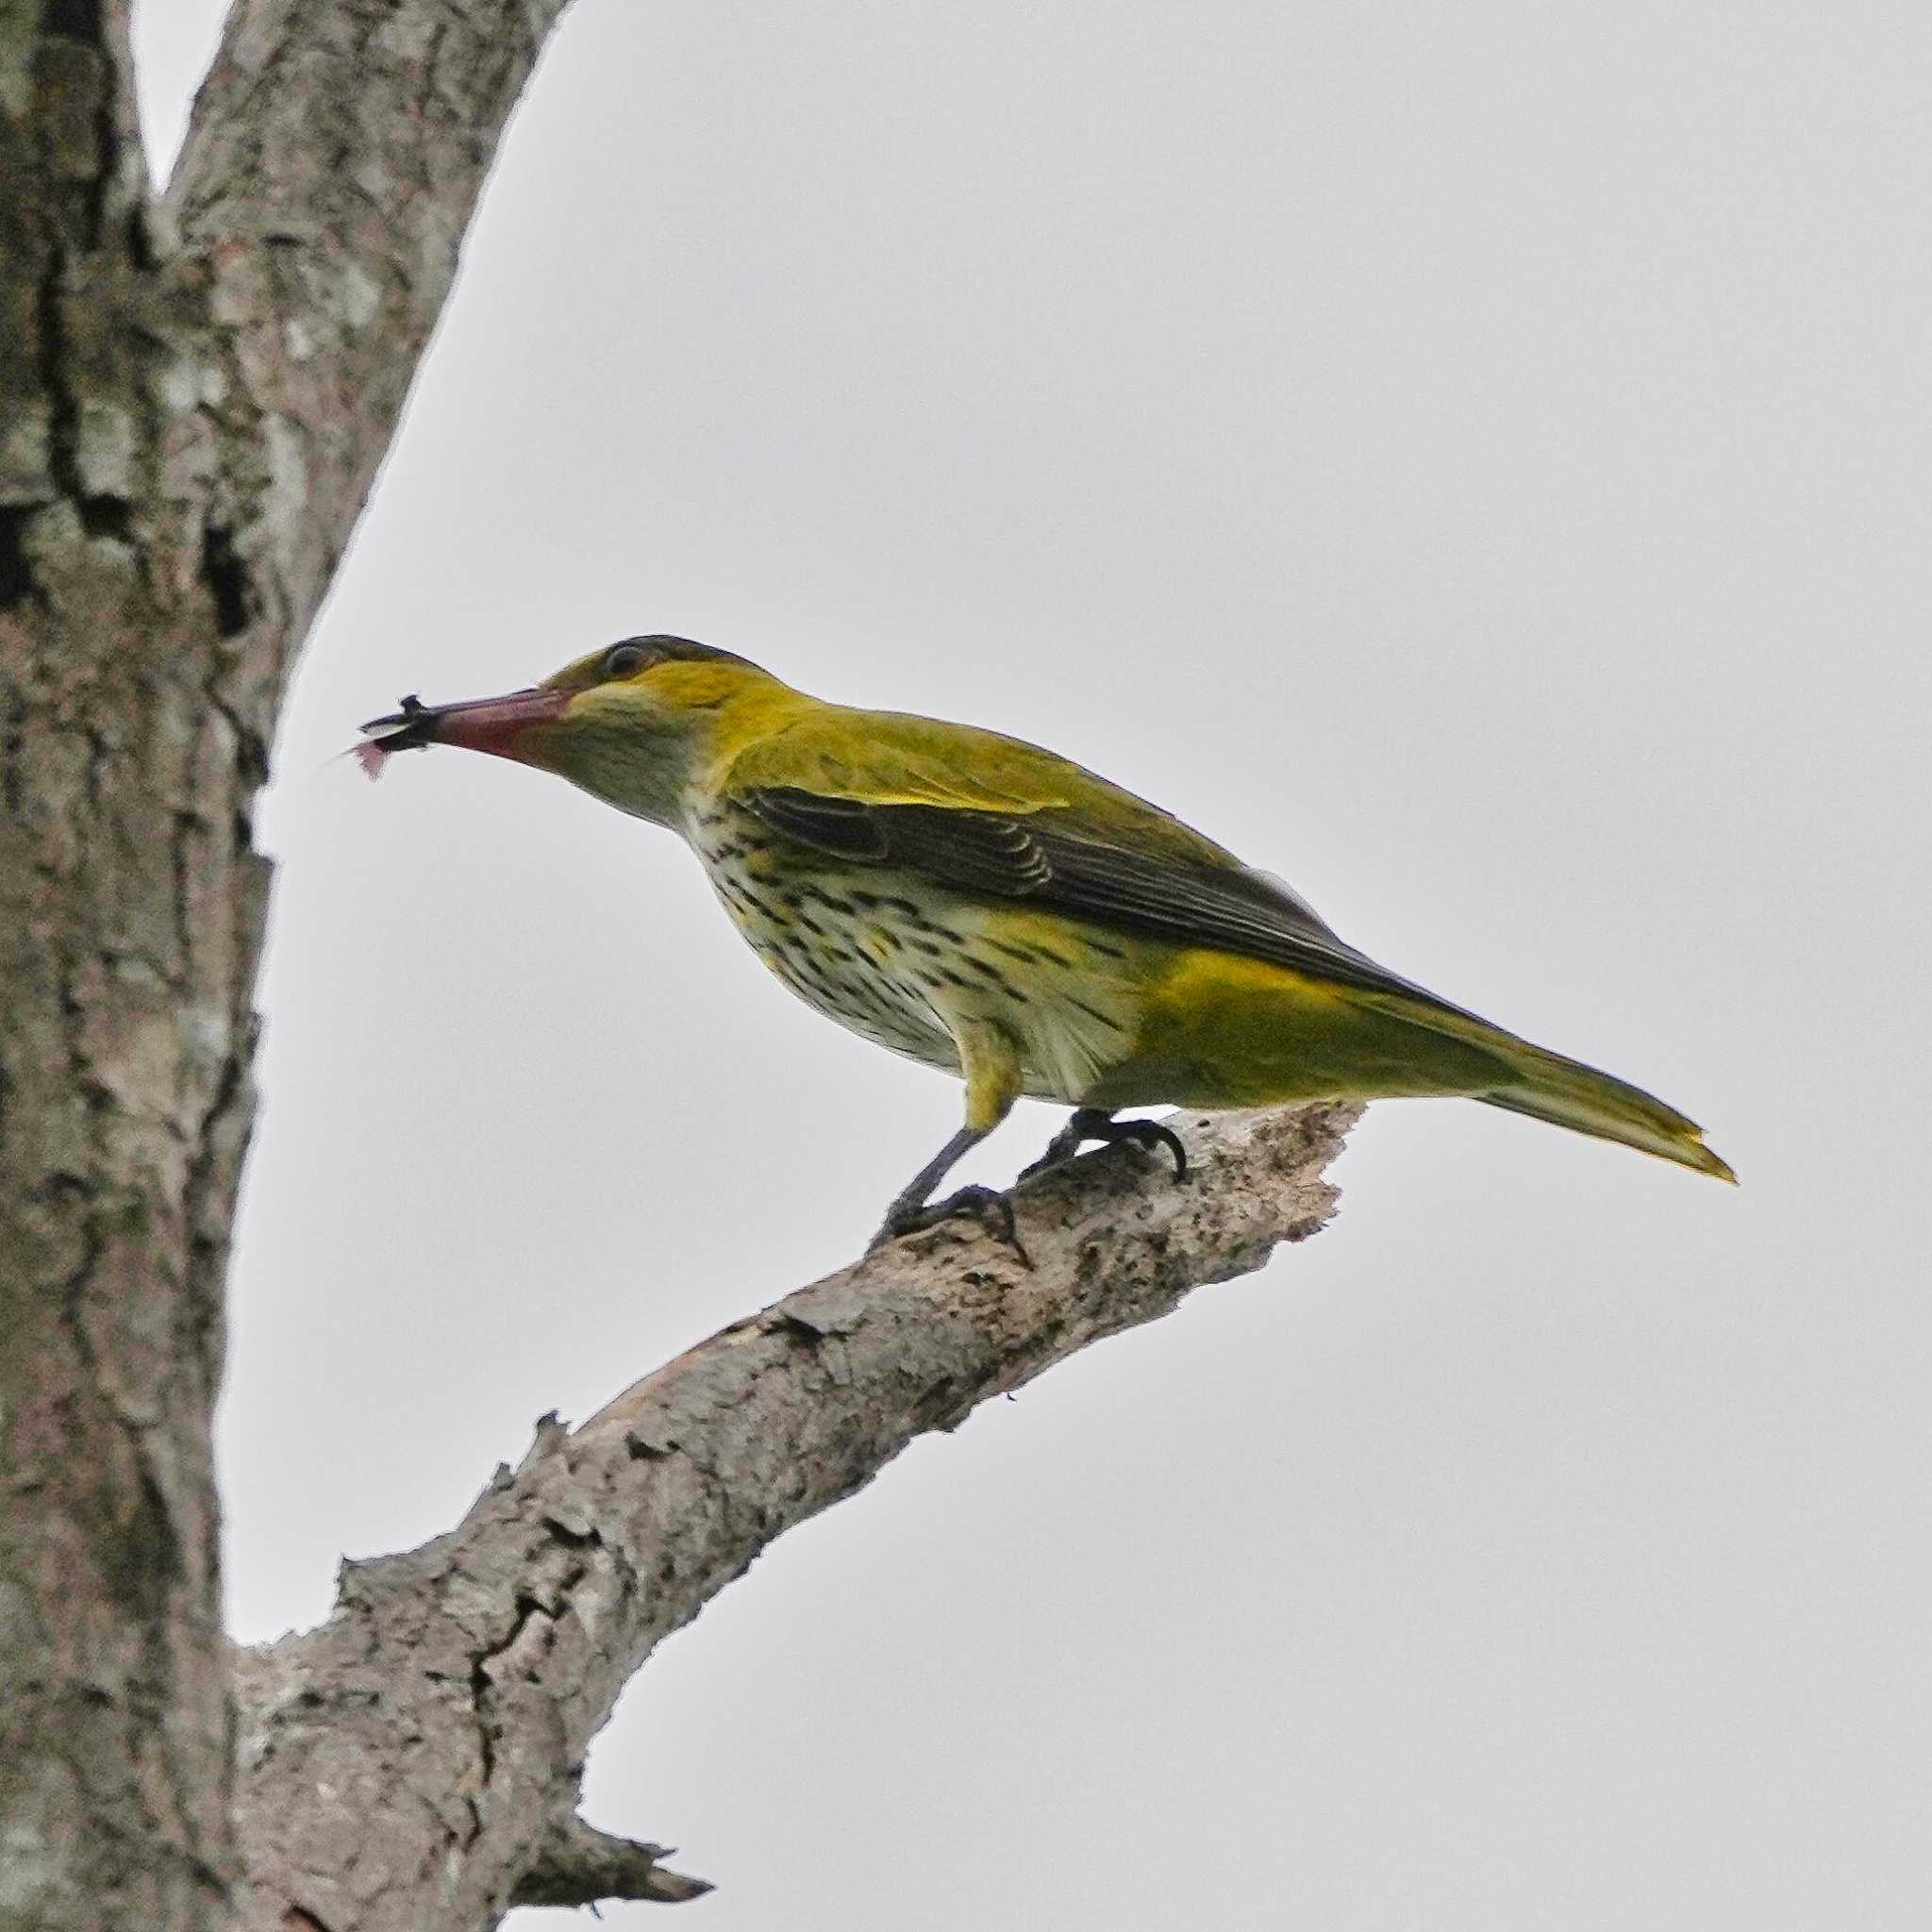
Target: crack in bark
<point>17,581</point>
<point>226,578</point>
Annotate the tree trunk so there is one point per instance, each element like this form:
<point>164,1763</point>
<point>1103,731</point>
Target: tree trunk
<point>130,919</point>
<point>194,399</point>
<point>195,394</point>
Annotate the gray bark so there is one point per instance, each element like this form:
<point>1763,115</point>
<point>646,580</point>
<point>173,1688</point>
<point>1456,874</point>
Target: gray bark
<point>195,392</point>
<point>194,396</point>
<point>414,1761</point>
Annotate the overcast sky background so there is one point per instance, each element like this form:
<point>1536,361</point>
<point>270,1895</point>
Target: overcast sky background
<point>1475,461</point>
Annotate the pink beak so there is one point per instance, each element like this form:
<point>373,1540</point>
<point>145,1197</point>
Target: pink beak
<point>491,724</point>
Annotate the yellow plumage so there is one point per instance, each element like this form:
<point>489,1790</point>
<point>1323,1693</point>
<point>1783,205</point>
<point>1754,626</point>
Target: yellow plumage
<point>987,906</point>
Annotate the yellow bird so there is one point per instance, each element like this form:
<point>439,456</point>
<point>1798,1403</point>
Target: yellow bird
<point>989,908</point>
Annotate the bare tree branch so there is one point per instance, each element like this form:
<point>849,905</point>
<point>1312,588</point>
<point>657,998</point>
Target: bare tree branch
<point>336,152</point>
<point>579,1866</point>
<point>415,1762</point>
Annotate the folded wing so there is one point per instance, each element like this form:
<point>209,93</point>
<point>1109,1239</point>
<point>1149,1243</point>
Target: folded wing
<point>1049,860</point>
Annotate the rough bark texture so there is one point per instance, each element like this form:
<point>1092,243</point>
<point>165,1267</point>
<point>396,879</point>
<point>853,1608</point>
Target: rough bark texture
<point>415,1762</point>
<point>195,394</point>
<point>194,399</point>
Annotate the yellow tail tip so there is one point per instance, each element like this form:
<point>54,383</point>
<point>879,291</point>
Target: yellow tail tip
<point>1707,1161</point>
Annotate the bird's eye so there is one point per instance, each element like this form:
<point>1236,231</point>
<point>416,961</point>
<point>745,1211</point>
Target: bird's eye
<point>619,661</point>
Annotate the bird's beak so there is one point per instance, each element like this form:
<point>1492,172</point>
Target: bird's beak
<point>493,725</point>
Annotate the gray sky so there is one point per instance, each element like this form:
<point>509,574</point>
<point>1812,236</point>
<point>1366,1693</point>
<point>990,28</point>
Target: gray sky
<point>1473,460</point>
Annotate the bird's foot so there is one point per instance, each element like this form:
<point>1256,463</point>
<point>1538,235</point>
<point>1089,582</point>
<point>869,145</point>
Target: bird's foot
<point>1089,1123</point>
<point>991,1208</point>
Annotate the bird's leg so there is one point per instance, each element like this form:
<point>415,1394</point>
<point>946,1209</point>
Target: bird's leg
<point>908,1209</point>
<point>992,1084</point>
<point>912,1211</point>
<point>1081,1125</point>
<point>1097,1124</point>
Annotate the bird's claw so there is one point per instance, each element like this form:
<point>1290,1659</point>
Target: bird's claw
<point>1083,1128</point>
<point>989,1205</point>
<point>1150,1135</point>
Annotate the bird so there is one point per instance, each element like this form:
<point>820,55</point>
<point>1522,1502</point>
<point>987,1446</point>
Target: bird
<point>990,908</point>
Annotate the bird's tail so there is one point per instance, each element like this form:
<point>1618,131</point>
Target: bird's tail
<point>1547,1087</point>
<point>1569,1094</point>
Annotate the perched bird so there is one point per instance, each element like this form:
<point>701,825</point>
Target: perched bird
<point>988,907</point>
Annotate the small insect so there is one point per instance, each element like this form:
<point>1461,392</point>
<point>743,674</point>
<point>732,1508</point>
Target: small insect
<point>403,729</point>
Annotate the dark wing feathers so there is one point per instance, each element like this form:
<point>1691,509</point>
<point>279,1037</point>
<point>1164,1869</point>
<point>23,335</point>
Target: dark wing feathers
<point>1035,863</point>
<point>971,851</point>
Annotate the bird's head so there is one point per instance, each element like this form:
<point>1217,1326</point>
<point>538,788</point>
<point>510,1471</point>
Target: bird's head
<point>632,724</point>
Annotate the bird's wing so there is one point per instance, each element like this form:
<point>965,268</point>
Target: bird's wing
<point>992,817</point>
